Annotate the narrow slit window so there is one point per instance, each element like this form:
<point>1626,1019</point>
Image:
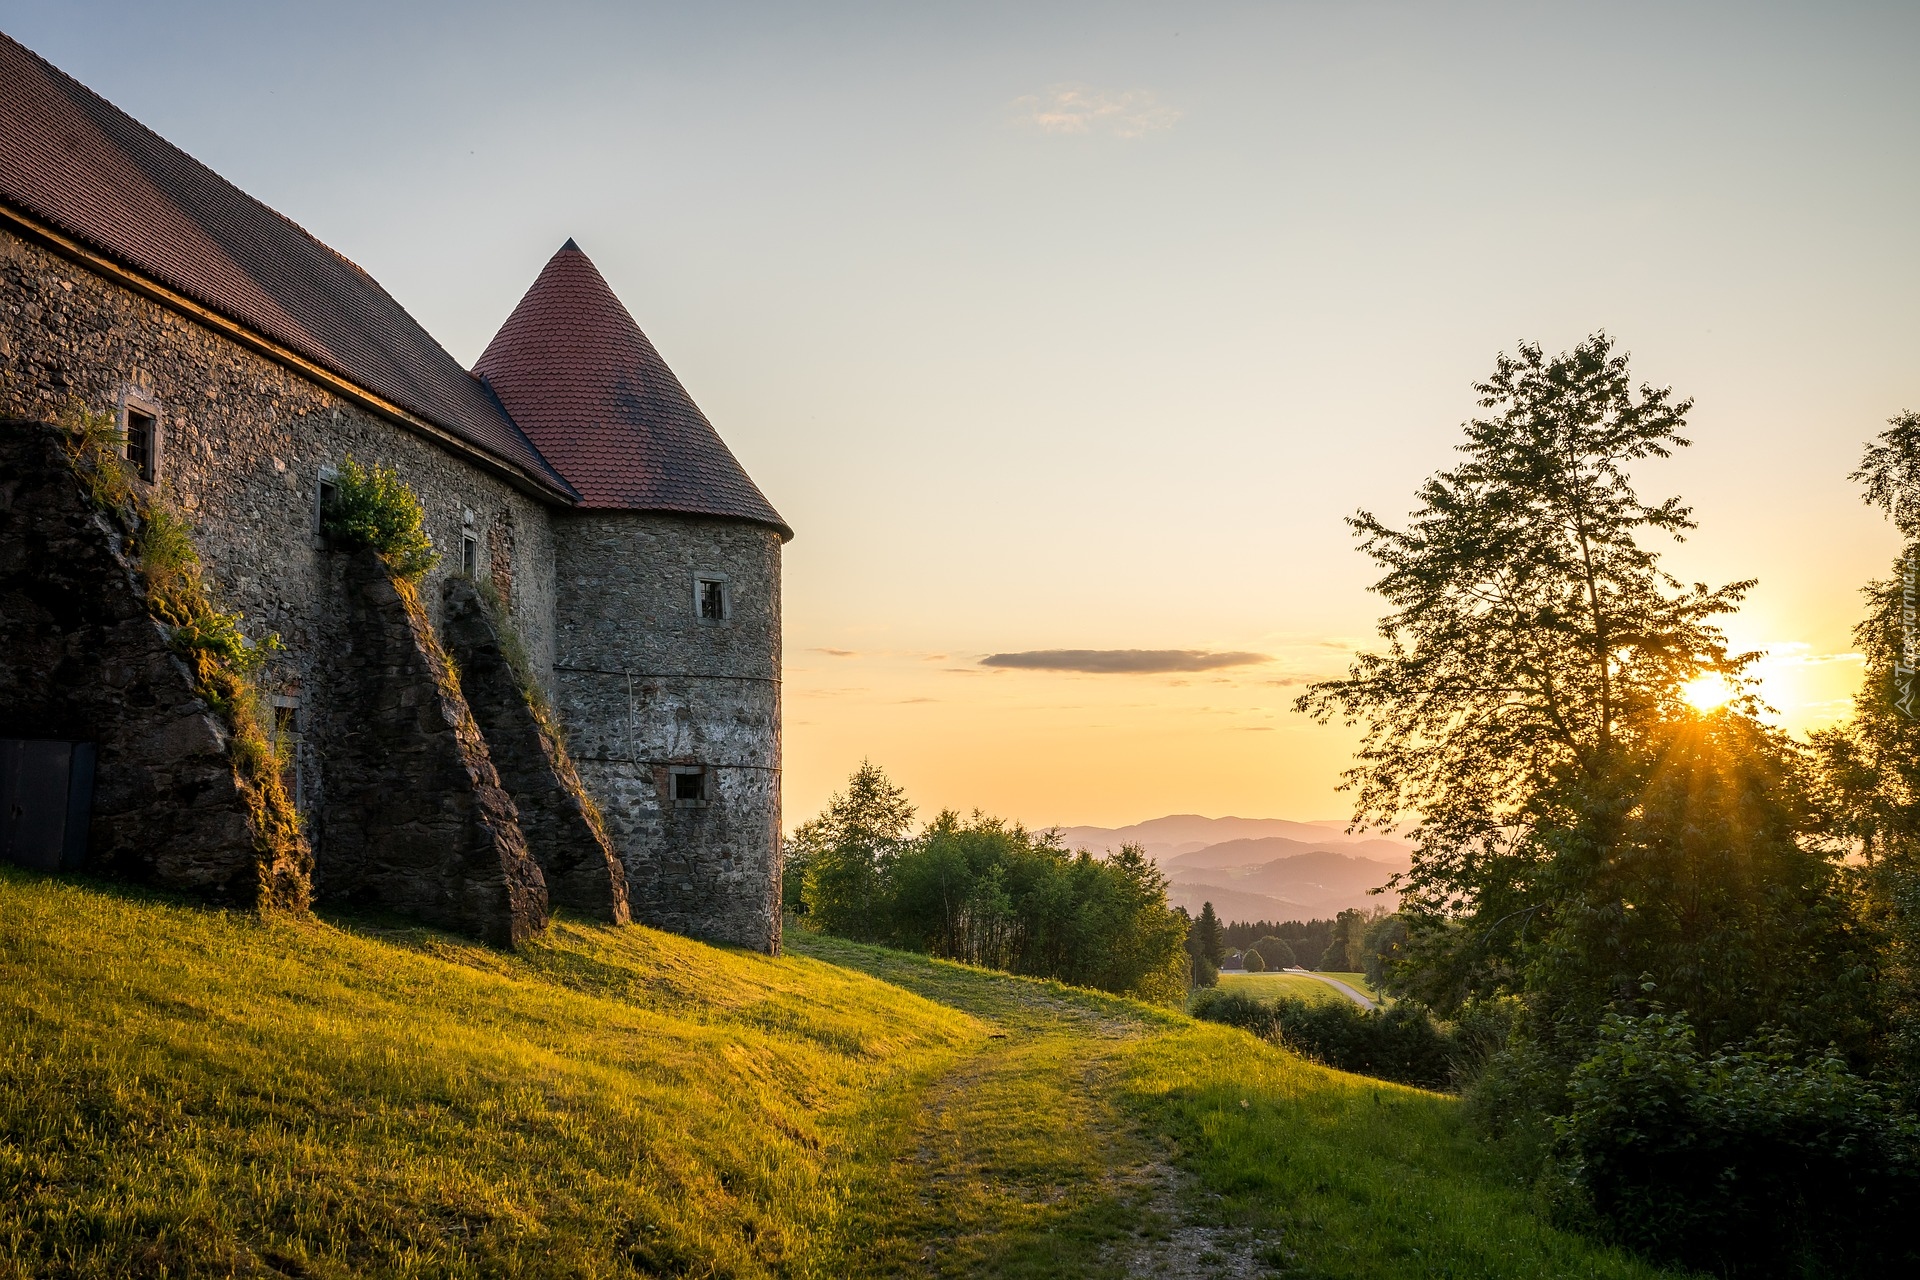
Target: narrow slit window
<point>142,444</point>
<point>470,555</point>
<point>329,495</point>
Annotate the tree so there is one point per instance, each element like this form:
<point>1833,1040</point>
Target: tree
<point>1530,631</point>
<point>1382,948</point>
<point>1204,942</point>
<point>1251,959</point>
<point>848,850</point>
<point>1275,952</point>
<point>1579,829</point>
<point>989,893</point>
<point>1871,764</point>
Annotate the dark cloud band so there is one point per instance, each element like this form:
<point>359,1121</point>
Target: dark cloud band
<point>1121,661</point>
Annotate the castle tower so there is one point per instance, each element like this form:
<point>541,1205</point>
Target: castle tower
<point>666,608</point>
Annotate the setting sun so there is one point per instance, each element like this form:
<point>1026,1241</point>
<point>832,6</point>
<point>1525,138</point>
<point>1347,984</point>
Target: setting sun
<point>1709,692</point>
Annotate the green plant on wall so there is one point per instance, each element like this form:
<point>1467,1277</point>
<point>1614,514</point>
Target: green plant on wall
<point>373,507</point>
<point>227,666</point>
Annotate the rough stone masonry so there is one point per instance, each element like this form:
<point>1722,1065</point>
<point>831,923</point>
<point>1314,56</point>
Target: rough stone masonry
<point>635,561</point>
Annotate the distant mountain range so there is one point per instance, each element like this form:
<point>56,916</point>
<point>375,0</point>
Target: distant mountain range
<point>1259,868</point>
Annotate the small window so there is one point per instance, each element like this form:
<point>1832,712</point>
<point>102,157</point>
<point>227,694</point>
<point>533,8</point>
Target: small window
<point>470,555</point>
<point>688,785</point>
<point>143,443</point>
<point>712,602</point>
<point>325,498</point>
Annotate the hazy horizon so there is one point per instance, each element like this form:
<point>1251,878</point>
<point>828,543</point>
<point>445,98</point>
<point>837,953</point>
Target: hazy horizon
<point>1065,335</point>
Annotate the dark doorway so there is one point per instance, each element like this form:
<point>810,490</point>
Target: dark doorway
<point>46,793</point>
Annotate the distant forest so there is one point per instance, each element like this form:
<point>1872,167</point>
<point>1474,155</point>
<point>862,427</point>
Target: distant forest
<point>1308,938</point>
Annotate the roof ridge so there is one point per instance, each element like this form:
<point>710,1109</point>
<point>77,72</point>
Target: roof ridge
<point>72,160</point>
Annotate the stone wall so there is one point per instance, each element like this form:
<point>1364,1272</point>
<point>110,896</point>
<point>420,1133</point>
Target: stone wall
<point>416,820</point>
<point>244,444</point>
<point>81,659</point>
<point>563,828</point>
<point>645,689</point>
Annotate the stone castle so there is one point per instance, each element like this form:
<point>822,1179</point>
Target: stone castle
<point>627,563</point>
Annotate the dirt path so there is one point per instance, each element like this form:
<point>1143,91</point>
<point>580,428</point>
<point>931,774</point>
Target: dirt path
<point>1018,1161</point>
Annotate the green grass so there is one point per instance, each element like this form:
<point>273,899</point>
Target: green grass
<point>1273,986</point>
<point>192,1092</point>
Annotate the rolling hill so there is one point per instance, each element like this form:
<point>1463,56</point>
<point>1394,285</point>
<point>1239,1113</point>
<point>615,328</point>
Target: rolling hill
<point>1186,832</point>
<point>188,1091</point>
<point>1259,868</point>
<point>1269,849</point>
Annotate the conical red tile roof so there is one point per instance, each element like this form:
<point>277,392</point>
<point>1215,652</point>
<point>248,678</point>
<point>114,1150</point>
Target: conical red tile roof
<point>600,404</point>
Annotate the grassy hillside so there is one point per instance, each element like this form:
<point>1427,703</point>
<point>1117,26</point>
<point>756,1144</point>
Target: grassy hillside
<point>188,1092</point>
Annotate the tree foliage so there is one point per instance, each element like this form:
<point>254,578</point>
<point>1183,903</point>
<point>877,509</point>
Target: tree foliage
<point>1206,940</point>
<point>1274,952</point>
<point>1531,634</point>
<point>1577,824</point>
<point>1871,763</point>
<point>1751,1162</point>
<point>1586,841</point>
<point>843,855</point>
<point>988,892</point>
<point>1401,1042</point>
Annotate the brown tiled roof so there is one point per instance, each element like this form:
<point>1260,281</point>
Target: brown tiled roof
<point>74,162</point>
<point>580,378</point>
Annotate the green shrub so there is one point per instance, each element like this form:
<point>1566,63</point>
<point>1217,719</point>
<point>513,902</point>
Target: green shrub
<point>1251,959</point>
<point>1747,1162</point>
<point>373,507</point>
<point>1402,1043</point>
<point>1274,952</point>
<point>97,450</point>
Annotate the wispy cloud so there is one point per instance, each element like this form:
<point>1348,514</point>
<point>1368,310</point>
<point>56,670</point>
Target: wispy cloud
<point>1121,661</point>
<point>1082,109</point>
<point>839,653</point>
<point>1794,653</point>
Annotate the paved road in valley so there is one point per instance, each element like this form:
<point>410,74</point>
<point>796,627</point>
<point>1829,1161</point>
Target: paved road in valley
<point>1337,985</point>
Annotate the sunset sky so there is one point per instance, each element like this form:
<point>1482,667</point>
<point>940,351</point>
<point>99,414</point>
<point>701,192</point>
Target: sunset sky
<point>1059,327</point>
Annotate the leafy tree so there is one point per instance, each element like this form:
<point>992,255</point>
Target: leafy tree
<point>1275,952</point>
<point>847,850</point>
<point>1530,632</point>
<point>1251,960</point>
<point>1871,764</point>
<point>989,893</point>
<point>1130,940</point>
<point>1577,824</point>
<point>1382,948</point>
